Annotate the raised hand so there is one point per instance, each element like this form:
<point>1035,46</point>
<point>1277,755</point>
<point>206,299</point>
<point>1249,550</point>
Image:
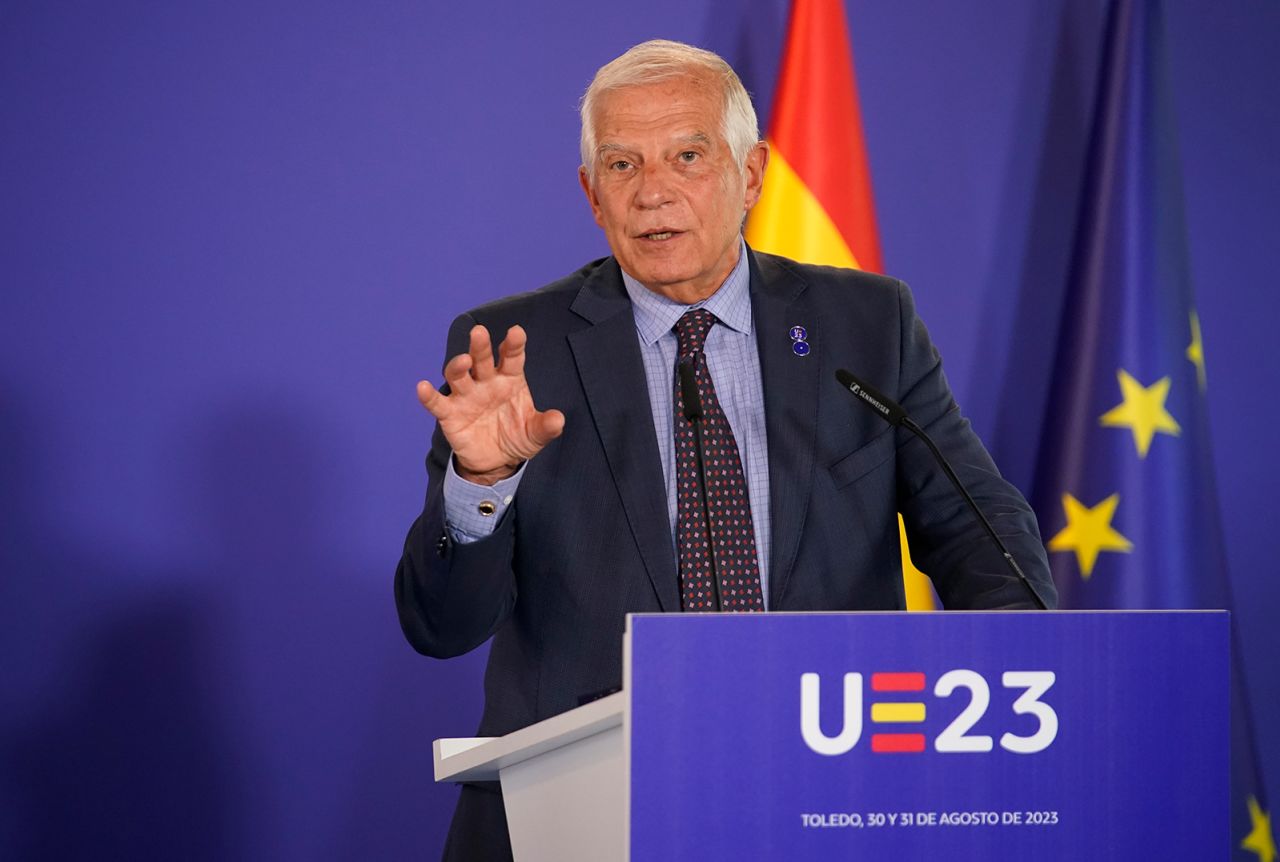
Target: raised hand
<point>488,416</point>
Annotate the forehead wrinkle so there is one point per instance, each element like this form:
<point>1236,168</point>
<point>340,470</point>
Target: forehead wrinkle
<point>696,138</point>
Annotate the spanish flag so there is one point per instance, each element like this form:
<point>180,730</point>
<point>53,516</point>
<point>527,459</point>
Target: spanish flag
<point>817,204</point>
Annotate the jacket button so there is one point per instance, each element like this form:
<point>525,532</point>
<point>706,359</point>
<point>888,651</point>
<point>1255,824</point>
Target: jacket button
<point>442,545</point>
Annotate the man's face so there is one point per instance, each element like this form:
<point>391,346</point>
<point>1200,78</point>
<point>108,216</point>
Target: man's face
<point>666,188</point>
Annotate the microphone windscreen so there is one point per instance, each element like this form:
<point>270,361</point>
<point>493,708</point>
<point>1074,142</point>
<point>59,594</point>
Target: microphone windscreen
<point>884,406</point>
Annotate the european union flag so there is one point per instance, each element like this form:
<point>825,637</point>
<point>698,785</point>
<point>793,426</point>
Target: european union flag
<point>1124,484</point>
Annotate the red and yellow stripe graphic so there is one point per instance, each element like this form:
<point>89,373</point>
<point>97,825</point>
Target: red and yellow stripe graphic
<point>817,205</point>
<point>897,712</point>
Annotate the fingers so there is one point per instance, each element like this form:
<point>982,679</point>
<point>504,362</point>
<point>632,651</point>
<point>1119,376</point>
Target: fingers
<point>458,374</point>
<point>511,352</point>
<point>481,350</point>
<point>467,371</point>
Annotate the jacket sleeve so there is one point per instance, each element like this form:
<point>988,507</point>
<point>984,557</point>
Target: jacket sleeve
<point>947,541</point>
<point>452,596</point>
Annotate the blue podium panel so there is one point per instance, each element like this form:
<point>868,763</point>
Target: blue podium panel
<point>887,736</point>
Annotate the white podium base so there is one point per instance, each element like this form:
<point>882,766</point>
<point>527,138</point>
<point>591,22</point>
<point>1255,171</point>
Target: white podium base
<point>564,782</point>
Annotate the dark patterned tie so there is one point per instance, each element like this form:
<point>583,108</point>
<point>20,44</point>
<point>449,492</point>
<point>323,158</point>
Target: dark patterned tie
<point>732,534</point>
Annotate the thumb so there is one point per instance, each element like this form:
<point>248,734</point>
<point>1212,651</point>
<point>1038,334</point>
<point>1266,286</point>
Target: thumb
<point>545,427</point>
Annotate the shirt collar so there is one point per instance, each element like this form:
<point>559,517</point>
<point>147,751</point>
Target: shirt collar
<point>731,303</point>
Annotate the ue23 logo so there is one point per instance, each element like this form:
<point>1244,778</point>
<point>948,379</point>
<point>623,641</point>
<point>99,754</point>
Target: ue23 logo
<point>896,719</point>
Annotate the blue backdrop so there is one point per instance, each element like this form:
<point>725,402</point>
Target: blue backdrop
<point>232,236</point>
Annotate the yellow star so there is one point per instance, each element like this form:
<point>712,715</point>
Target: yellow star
<point>1142,411</point>
<point>1088,532</point>
<point>1195,350</point>
<point>1259,841</point>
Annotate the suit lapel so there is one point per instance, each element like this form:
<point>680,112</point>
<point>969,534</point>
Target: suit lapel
<point>612,373</point>
<point>779,301</point>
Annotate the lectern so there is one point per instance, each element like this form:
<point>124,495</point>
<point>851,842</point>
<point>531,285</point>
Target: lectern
<point>993,736</point>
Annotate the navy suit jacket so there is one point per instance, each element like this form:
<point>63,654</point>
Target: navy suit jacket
<point>588,539</point>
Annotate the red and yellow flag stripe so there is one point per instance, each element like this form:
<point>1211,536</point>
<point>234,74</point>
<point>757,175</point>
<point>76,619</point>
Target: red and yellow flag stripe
<point>817,205</point>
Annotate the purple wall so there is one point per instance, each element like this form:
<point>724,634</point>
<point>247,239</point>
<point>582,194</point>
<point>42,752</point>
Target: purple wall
<point>231,238</point>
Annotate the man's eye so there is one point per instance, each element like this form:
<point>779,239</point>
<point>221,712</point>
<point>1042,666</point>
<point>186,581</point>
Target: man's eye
<point>619,165</point>
<point>688,157</point>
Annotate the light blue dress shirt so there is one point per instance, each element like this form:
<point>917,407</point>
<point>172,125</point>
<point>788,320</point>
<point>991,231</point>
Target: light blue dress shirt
<point>734,363</point>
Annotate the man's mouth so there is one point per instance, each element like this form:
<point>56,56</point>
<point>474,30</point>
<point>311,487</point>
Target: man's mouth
<point>660,235</point>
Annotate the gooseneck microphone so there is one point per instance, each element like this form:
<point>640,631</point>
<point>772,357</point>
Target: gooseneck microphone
<point>892,412</point>
<point>692,403</point>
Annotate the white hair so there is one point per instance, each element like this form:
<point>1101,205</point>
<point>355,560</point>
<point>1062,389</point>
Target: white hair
<point>663,60</point>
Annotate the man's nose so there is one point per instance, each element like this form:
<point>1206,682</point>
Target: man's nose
<point>656,186</point>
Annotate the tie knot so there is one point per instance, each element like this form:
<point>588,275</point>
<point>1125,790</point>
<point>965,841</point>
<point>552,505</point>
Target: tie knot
<point>691,330</point>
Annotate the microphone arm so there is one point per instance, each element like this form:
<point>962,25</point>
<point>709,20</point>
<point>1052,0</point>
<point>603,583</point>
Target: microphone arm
<point>893,413</point>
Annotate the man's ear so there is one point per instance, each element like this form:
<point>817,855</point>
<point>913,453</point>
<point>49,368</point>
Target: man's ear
<point>754,166</point>
<point>585,181</point>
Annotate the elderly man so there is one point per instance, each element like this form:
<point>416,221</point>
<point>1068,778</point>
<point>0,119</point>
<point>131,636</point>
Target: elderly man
<point>543,528</point>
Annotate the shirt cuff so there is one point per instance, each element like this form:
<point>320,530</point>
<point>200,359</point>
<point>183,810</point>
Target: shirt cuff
<point>471,511</point>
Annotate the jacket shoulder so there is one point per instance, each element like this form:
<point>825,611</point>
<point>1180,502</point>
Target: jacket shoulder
<point>835,288</point>
<point>555,296</point>
<point>814,275</point>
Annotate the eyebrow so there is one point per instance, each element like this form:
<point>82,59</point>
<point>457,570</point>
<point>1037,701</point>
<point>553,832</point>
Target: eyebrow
<point>695,138</point>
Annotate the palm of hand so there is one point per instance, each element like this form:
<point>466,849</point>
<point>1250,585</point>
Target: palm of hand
<point>489,417</point>
<point>489,426</point>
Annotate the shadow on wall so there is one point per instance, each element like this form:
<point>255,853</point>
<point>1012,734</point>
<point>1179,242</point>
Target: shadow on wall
<point>255,700</point>
<point>111,745</point>
<point>131,765</point>
<point>343,709</point>
<point>393,808</point>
